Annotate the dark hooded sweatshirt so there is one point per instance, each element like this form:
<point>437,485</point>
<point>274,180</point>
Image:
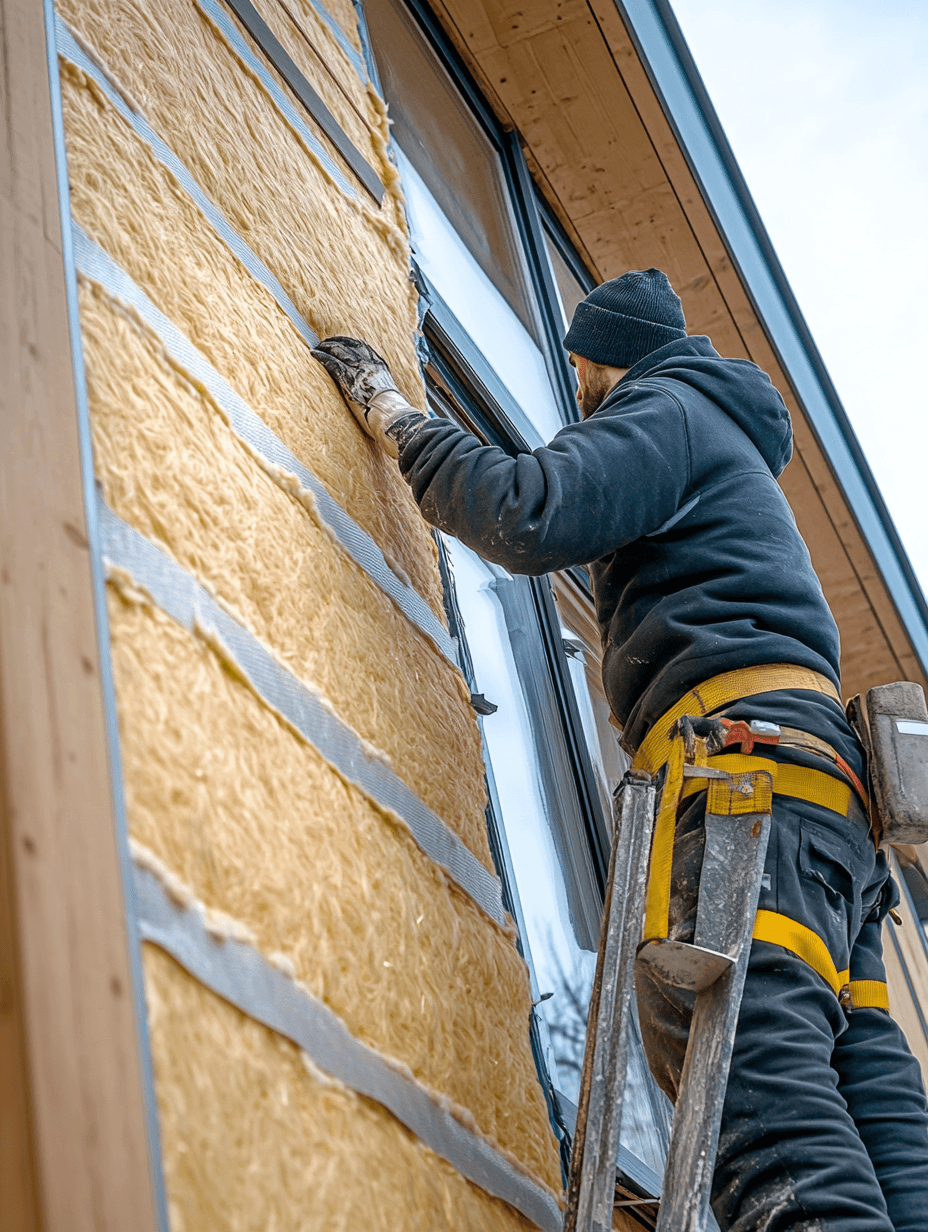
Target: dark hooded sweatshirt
<point>668,494</point>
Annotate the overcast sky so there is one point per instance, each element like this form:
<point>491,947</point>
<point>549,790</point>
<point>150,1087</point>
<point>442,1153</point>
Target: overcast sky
<point>825,103</point>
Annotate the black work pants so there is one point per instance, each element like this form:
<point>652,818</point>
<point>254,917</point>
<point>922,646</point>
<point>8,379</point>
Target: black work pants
<point>825,1123</point>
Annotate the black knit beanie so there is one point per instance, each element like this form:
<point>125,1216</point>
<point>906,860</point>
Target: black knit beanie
<point>627,318</point>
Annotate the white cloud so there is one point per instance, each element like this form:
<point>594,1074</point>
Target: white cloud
<point>825,103</point>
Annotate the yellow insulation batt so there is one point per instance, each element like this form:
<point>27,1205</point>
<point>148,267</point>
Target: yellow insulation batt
<point>325,65</point>
<point>256,1137</point>
<point>172,468</point>
<point>344,263</point>
<point>262,829</point>
<point>343,11</point>
<point>130,204</point>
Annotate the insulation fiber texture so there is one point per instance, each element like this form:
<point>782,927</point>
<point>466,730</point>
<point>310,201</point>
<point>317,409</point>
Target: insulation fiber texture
<point>257,1137</point>
<point>128,202</point>
<point>344,262</point>
<point>263,830</point>
<point>306,37</point>
<point>219,789</point>
<point>171,467</point>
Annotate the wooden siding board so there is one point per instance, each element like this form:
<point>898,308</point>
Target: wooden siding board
<point>71,987</point>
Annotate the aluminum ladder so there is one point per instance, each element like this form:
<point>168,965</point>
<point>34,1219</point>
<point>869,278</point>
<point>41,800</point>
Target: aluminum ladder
<point>714,967</point>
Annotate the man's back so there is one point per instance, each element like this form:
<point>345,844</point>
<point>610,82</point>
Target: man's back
<point>668,493</point>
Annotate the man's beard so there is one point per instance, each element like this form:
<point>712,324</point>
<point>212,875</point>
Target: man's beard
<point>593,391</point>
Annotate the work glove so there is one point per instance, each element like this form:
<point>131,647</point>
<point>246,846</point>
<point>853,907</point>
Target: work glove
<point>366,384</point>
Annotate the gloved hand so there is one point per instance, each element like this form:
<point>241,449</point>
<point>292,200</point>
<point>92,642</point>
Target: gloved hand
<point>367,385</point>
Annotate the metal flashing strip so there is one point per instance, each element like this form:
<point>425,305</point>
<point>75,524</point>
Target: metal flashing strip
<point>259,30</point>
<point>217,15</point>
<point>182,598</point>
<point>69,49</point>
<point>96,264</point>
<point>240,975</point>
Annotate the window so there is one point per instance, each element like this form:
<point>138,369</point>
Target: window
<point>468,242</point>
<point>500,282</point>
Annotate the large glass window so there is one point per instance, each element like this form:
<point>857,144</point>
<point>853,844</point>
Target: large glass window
<point>464,231</point>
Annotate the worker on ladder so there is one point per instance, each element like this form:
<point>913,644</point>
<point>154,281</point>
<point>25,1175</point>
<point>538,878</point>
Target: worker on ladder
<point>709,605</point>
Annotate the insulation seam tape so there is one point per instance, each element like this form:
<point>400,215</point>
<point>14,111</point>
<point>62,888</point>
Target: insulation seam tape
<point>92,261</point>
<point>242,976</point>
<point>182,598</point>
<point>343,41</point>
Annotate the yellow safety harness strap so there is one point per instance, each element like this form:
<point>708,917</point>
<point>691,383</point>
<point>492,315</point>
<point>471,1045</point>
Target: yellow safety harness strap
<point>799,782</point>
<point>657,909</point>
<point>747,790</point>
<point>808,945</point>
<point>869,995</point>
<point>735,795</point>
<point>721,691</point>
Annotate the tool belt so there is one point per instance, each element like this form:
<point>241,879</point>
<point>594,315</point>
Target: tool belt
<point>690,748</point>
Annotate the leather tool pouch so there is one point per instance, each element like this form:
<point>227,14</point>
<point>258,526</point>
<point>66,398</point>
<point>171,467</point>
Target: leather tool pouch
<point>891,722</point>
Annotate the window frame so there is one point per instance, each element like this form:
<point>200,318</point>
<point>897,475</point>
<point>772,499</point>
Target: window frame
<point>462,386</point>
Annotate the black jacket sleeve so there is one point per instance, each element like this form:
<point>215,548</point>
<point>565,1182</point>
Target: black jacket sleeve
<point>597,486</point>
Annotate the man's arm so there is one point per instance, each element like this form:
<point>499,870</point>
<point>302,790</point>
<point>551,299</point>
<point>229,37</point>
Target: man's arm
<point>598,486</point>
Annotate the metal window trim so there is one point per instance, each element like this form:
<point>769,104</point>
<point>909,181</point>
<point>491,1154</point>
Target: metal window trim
<point>596,824</point>
<point>631,1171</point>
<point>475,377</point>
<point>669,64</point>
<point>529,225</point>
<point>910,906</point>
<point>490,408</point>
<point>561,240</point>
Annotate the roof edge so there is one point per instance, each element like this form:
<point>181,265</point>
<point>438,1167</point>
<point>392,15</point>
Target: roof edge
<point>672,71</point>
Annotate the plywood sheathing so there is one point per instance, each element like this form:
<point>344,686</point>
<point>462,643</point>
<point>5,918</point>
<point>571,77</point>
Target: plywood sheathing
<point>566,74</point>
<point>129,203</point>
<point>263,830</point>
<point>256,1136</point>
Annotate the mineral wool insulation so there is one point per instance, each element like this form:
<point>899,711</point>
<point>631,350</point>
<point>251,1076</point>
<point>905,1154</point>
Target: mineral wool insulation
<point>219,788</point>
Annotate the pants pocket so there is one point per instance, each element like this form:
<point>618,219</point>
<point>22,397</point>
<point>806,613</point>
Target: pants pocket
<point>832,875</point>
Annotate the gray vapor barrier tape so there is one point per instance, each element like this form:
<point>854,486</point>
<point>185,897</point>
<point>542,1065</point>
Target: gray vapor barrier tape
<point>343,40</point>
<point>180,595</point>
<point>92,261</point>
<point>69,48</point>
<point>238,973</point>
<point>282,61</point>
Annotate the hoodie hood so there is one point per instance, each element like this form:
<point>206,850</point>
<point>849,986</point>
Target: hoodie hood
<point>738,386</point>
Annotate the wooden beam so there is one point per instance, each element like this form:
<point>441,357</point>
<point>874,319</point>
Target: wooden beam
<point>74,1153</point>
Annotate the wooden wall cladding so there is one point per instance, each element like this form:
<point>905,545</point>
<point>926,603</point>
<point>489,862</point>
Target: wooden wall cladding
<point>73,1133</point>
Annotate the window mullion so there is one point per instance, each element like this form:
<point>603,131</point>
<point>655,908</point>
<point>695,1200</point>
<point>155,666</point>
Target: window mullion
<point>528,219</point>
<point>597,826</point>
